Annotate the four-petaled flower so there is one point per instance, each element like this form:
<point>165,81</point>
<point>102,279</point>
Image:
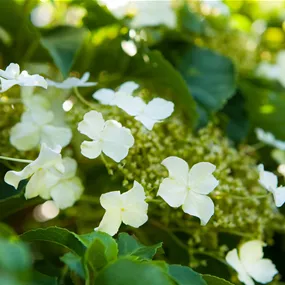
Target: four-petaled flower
<point>189,188</point>
<point>129,208</point>
<point>250,264</point>
<point>108,137</point>
<point>37,127</point>
<point>11,76</point>
<point>108,96</point>
<point>73,82</point>
<point>269,139</point>
<point>44,172</point>
<point>270,182</point>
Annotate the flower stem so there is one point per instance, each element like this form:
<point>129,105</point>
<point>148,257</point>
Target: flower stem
<point>82,99</point>
<point>16,159</point>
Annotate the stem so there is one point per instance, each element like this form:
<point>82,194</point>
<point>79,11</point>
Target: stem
<point>156,201</point>
<point>245,197</point>
<point>259,145</point>
<point>210,254</point>
<point>10,101</point>
<point>82,99</point>
<point>16,159</point>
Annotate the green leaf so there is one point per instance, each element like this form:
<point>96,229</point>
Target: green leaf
<point>212,280</point>
<point>63,44</point>
<point>6,231</point>
<point>128,245</point>
<point>74,263</point>
<point>42,279</point>
<point>130,271</point>
<point>184,275</point>
<point>56,235</point>
<point>210,78</point>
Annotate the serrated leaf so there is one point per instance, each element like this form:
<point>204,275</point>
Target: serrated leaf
<point>128,245</point>
<point>210,77</point>
<point>74,263</point>
<point>56,235</point>
<point>130,271</point>
<point>184,275</point>
<point>63,44</point>
<point>213,280</point>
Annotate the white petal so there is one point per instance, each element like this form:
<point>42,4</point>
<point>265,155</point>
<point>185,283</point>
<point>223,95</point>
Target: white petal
<point>7,84</point>
<point>262,271</point>
<point>201,179</point>
<point>267,179</point>
<point>105,96</point>
<point>250,252</point>
<point>25,136</point>
<point>159,109</point>
<point>111,200</point>
<point>172,193</point>
<point>12,71</point>
<point>70,167</point>
<point>26,79</point>
<point>131,105</point>
<point>110,223</point>
<point>279,196</point>
<point>134,207</point>
<point>38,116</point>
<point>200,206</point>
<point>116,140</point>
<point>177,168</point>
<point>92,125</point>
<point>233,260</point>
<point>91,149</point>
<point>128,87</point>
<point>146,121</point>
<point>53,136</point>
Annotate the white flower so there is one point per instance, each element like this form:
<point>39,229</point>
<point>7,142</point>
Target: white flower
<point>269,139</point>
<point>149,114</point>
<point>11,76</point>
<point>250,264</point>
<point>129,47</point>
<point>73,82</point>
<point>69,188</point>
<point>36,127</point>
<point>108,137</point>
<point>108,96</point>
<point>274,71</point>
<point>270,182</point>
<point>129,208</point>
<point>189,188</point>
<point>44,173</point>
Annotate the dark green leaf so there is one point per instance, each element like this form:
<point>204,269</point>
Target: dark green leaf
<point>56,235</point>
<point>6,231</point>
<point>130,271</point>
<point>42,279</point>
<point>210,77</point>
<point>63,44</point>
<point>212,280</point>
<point>184,275</point>
<point>128,245</point>
<point>74,263</point>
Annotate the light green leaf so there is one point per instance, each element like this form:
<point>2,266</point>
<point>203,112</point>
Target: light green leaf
<point>184,275</point>
<point>128,245</point>
<point>130,271</point>
<point>63,44</point>
<point>212,280</point>
<point>56,235</point>
<point>74,263</point>
<point>210,77</point>
<point>6,231</point>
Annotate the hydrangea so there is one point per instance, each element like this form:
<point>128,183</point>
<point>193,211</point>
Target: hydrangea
<point>73,82</point>
<point>189,188</point>
<point>108,137</point>
<point>250,264</point>
<point>37,127</point>
<point>12,76</point>
<point>43,173</point>
<point>269,139</point>
<point>129,208</point>
<point>270,182</point>
<point>108,96</point>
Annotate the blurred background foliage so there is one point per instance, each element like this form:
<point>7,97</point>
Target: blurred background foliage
<point>206,63</point>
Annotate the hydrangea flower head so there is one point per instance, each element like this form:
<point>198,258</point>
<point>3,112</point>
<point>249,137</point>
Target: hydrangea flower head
<point>109,137</point>
<point>129,208</point>
<point>12,76</point>
<point>189,188</point>
<point>250,264</point>
<point>73,82</point>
